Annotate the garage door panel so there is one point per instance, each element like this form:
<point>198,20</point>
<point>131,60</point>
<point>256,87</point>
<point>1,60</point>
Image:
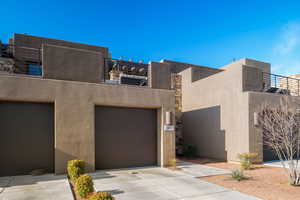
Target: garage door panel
<point>26,138</point>
<point>125,137</point>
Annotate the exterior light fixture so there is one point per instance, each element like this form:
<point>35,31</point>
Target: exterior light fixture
<point>168,118</point>
<point>255,119</point>
<point>168,122</point>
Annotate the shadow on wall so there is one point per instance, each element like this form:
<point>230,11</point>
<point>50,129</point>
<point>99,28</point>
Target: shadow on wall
<point>64,157</point>
<point>201,128</point>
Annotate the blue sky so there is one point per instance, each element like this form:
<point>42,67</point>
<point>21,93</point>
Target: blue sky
<point>210,33</point>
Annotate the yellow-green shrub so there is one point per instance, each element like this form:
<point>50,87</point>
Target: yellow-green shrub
<point>101,196</point>
<point>173,162</point>
<point>246,160</point>
<point>84,185</point>
<point>75,168</point>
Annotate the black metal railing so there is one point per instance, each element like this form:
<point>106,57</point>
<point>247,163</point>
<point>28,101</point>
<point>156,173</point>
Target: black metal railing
<point>24,53</point>
<point>20,60</point>
<point>273,83</point>
<point>6,50</point>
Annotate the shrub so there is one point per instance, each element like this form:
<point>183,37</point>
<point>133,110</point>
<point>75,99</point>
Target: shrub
<point>77,163</point>
<point>101,196</point>
<point>75,168</point>
<point>190,150</point>
<point>173,162</point>
<point>84,185</point>
<point>238,175</point>
<point>246,160</point>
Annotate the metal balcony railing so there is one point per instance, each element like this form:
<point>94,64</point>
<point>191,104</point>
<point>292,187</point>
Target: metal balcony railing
<point>24,53</point>
<point>6,50</point>
<point>285,85</point>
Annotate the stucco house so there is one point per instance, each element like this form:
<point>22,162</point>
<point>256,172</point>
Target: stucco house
<point>57,104</point>
<point>62,100</point>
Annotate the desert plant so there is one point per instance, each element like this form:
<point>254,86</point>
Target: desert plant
<point>84,185</point>
<point>173,163</point>
<point>75,168</point>
<point>190,150</point>
<point>281,132</point>
<point>101,196</point>
<point>238,175</point>
<point>77,163</point>
<point>246,160</point>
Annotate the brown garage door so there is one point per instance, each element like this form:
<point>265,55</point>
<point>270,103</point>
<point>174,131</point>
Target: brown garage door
<point>125,137</point>
<point>26,137</point>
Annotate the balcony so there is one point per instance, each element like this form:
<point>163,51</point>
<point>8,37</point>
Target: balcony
<point>278,84</point>
<point>126,72</point>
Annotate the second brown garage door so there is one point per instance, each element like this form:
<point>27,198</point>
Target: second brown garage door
<point>125,137</point>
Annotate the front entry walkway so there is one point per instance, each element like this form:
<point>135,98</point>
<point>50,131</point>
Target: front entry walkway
<point>46,187</point>
<point>164,184</point>
<point>277,163</point>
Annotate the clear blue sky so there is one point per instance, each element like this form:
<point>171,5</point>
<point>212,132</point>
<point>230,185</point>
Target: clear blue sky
<point>211,32</point>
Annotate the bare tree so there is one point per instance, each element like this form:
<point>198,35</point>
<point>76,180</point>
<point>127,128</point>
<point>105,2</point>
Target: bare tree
<point>281,132</point>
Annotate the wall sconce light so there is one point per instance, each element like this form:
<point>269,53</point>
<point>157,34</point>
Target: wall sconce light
<point>168,122</point>
<point>168,118</point>
<point>255,119</point>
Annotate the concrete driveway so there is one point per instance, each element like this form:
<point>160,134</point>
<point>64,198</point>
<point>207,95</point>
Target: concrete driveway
<point>164,184</point>
<point>46,187</point>
<point>150,183</point>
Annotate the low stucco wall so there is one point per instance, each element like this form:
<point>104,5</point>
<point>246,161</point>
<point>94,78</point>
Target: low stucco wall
<point>256,101</point>
<point>74,112</point>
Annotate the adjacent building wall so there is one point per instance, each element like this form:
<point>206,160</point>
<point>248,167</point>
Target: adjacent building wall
<point>74,112</point>
<point>216,108</point>
<point>198,72</point>
<point>215,113</point>
<point>64,63</point>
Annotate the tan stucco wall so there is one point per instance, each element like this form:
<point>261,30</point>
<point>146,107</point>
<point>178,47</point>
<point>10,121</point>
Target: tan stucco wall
<point>218,111</point>
<point>64,63</point>
<point>221,134</point>
<point>198,71</point>
<point>35,42</point>
<point>28,48</point>
<point>265,67</point>
<point>74,112</point>
<point>256,101</point>
<point>159,75</point>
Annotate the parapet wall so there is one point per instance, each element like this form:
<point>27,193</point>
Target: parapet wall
<point>64,63</point>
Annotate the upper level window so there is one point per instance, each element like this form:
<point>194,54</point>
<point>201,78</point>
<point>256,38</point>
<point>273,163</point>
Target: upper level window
<point>34,70</point>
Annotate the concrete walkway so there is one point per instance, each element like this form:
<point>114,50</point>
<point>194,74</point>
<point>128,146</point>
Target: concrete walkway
<point>164,184</point>
<point>196,170</point>
<point>46,187</point>
<point>277,163</point>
